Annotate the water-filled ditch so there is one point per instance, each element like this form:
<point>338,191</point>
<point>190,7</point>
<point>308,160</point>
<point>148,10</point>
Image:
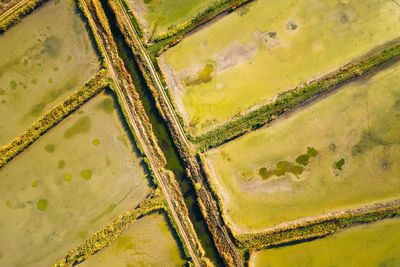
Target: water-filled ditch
<point>165,141</point>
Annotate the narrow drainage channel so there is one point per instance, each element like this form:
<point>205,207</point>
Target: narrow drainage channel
<point>165,142</point>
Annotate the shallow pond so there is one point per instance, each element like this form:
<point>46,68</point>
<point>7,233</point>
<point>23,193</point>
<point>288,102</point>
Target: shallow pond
<point>160,16</point>
<point>338,153</point>
<point>376,244</point>
<point>147,242</point>
<point>268,47</point>
<point>70,183</point>
<point>45,58</point>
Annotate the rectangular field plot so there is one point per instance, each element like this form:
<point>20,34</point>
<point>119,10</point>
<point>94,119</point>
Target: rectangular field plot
<point>44,58</point>
<point>376,244</point>
<point>160,16</point>
<point>70,183</point>
<point>338,153</point>
<point>269,47</point>
<point>147,242</point>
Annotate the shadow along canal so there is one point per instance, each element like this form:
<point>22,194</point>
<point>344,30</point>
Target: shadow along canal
<point>165,141</point>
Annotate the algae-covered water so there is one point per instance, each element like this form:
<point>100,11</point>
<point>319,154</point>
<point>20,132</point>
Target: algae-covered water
<point>72,182</point>
<point>160,16</point>
<point>269,47</point>
<point>44,58</point>
<point>338,153</point>
<point>376,244</point>
<point>147,242</point>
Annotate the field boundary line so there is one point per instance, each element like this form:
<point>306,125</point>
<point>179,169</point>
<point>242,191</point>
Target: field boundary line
<point>53,117</point>
<point>17,12</point>
<point>152,71</point>
<point>374,61</point>
<point>301,229</point>
<point>105,236</point>
<point>137,118</point>
<point>12,9</point>
<point>19,144</point>
<point>209,208</point>
<point>317,227</point>
<point>214,10</point>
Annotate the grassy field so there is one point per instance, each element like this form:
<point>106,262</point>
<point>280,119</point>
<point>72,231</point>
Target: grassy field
<point>70,183</point>
<point>49,55</point>
<point>338,153</point>
<point>375,244</point>
<point>159,16</point>
<point>268,47</point>
<point>147,242</point>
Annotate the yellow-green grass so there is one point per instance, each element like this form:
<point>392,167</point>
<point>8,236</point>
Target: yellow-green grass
<point>147,242</point>
<point>269,47</point>
<point>70,183</point>
<point>376,244</point>
<point>43,59</point>
<point>160,16</point>
<point>338,153</point>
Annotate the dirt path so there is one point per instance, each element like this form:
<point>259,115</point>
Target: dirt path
<point>133,117</point>
<point>11,10</point>
<point>211,212</point>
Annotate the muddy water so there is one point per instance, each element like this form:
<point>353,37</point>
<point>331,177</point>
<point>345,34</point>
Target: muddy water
<point>147,242</point>
<point>70,183</point>
<point>44,58</point>
<point>165,141</point>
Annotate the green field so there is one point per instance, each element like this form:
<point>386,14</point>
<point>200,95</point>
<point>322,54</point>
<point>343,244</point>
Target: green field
<point>160,16</point>
<point>147,242</point>
<point>70,183</point>
<point>267,47</point>
<point>338,153</point>
<point>376,244</point>
<point>45,58</point>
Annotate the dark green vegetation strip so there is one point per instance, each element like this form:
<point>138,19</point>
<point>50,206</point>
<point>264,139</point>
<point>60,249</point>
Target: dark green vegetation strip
<point>53,117</point>
<point>313,229</point>
<point>296,97</point>
<point>173,36</point>
<point>108,234</point>
<point>19,13</point>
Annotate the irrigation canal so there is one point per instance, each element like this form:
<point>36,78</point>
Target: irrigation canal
<point>165,141</point>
